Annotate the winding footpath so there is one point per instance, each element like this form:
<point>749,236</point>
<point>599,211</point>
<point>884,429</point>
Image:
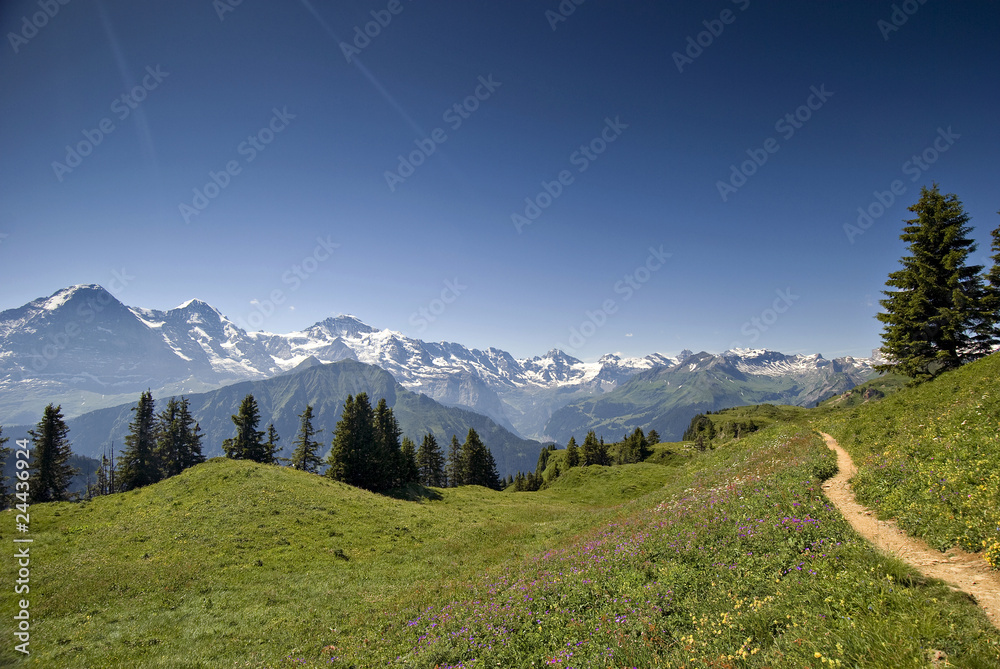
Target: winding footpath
<point>963,571</point>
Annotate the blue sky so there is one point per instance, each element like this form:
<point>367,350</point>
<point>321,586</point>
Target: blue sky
<point>638,251</point>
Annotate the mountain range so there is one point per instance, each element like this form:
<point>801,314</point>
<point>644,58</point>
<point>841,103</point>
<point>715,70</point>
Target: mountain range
<point>82,348</point>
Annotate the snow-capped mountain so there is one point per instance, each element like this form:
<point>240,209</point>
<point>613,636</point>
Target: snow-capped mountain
<point>83,348</point>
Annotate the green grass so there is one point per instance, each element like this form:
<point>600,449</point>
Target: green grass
<point>233,561</point>
<point>733,552</point>
<point>929,455</point>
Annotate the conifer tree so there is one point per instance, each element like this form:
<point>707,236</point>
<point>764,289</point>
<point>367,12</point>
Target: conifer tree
<point>408,472</point>
<point>51,448</point>
<point>455,468</point>
<point>481,468</point>
<point>139,465</point>
<point>247,444</point>
<point>593,452</point>
<point>270,449</point>
<point>653,438</point>
<point>935,308</point>
<point>572,453</point>
<point>306,453</point>
<point>350,459</point>
<point>430,463</point>
<point>4,454</point>
<point>634,448</point>
<point>105,484</point>
<point>992,307</point>
<point>387,458</point>
<point>178,439</point>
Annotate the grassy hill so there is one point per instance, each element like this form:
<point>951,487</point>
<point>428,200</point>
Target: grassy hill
<point>930,455</point>
<point>729,557</point>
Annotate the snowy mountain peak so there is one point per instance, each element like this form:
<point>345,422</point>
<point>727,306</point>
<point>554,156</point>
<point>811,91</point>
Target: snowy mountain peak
<point>343,325</point>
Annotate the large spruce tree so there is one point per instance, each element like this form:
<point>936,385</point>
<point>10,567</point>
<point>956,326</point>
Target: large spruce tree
<point>387,457</point>
<point>351,459</point>
<point>139,465</point>
<point>481,468</point>
<point>248,443</point>
<point>178,439</point>
<point>430,463</point>
<point>306,453</point>
<point>455,468</point>
<point>51,448</point>
<point>408,471</point>
<point>934,308</point>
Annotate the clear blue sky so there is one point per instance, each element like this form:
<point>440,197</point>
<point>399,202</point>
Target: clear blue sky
<point>209,80</point>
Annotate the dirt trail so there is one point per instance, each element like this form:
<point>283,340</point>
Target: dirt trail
<point>963,571</point>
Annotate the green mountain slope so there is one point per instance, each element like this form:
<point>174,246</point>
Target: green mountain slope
<point>728,554</point>
<point>281,399</point>
<point>666,398</point>
<point>929,455</point>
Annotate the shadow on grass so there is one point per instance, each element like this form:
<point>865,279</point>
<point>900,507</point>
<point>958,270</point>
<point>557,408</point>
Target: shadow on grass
<point>414,492</point>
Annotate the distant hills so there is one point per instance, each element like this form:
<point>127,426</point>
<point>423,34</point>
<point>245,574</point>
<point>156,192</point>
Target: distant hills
<point>666,398</point>
<point>82,348</point>
<point>281,399</point>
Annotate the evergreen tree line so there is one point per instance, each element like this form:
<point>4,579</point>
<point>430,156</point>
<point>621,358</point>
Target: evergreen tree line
<point>368,451</point>
<point>631,449</point>
<point>940,312</point>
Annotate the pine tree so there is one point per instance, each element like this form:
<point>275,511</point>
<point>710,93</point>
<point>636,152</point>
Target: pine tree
<point>387,457</point>
<point>430,463</point>
<point>247,444</point>
<point>992,303</point>
<point>456,466</point>
<point>178,440</point>
<point>138,465</point>
<point>306,453</point>
<point>51,448</point>
<point>481,468</point>
<point>105,484</point>
<point>351,459</point>
<point>934,310</point>
<point>634,448</point>
<point>269,449</point>
<point>593,452</point>
<point>572,453</point>
<point>4,454</point>
<point>653,438</point>
<point>408,472</point>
